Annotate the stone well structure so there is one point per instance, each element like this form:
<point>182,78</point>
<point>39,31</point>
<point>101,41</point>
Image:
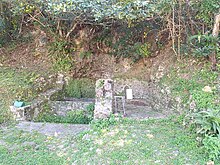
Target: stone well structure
<point>61,108</point>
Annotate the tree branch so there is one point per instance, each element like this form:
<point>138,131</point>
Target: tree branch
<point>215,33</point>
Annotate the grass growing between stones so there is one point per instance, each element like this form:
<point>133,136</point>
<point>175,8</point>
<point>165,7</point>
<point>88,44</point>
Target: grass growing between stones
<point>14,84</point>
<point>131,142</point>
<point>19,84</point>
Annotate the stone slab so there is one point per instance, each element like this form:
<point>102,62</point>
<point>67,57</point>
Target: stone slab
<point>53,129</point>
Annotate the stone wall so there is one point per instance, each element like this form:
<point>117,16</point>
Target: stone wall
<point>61,108</point>
<point>31,111</point>
<point>140,89</point>
<point>156,97</point>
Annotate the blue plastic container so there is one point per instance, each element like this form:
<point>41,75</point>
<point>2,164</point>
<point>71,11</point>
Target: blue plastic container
<point>18,104</point>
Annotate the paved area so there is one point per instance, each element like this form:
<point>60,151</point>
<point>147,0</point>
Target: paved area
<point>136,109</point>
<point>53,129</point>
<point>143,112</point>
<point>140,109</point>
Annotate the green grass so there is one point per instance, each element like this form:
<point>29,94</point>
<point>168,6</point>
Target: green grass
<point>15,152</point>
<point>153,142</point>
<point>185,81</point>
<point>148,142</point>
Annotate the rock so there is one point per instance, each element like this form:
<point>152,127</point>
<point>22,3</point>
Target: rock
<point>192,105</point>
<point>37,147</point>
<point>31,111</point>
<point>29,144</point>
<point>61,108</point>
<point>2,142</point>
<point>150,136</point>
<point>210,163</point>
<point>207,89</point>
<point>86,137</point>
<point>99,151</point>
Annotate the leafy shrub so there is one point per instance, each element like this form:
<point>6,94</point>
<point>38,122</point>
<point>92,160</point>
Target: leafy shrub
<point>90,111</point>
<point>207,122</point>
<point>128,47</point>
<point>73,117</point>
<point>61,53</point>
<point>204,45</point>
<point>103,123</point>
<point>203,99</point>
<point>9,23</point>
<point>212,147</point>
<point>77,117</point>
<point>73,89</point>
<point>80,88</point>
<point>87,88</point>
<point>207,8</point>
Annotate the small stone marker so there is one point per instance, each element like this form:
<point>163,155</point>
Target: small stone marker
<point>104,98</point>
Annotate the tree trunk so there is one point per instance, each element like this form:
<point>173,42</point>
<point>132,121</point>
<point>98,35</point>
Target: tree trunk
<point>215,33</point>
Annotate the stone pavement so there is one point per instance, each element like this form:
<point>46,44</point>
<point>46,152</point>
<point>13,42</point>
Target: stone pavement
<point>53,129</point>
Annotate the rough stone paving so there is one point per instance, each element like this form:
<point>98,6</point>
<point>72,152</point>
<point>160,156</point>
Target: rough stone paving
<point>52,129</point>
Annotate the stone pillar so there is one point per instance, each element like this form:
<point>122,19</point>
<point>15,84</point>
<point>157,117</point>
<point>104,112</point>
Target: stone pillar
<point>104,98</point>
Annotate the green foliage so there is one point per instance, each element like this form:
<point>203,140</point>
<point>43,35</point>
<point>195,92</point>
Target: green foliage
<point>119,144</point>
<point>207,9</point>
<point>120,141</point>
<point>101,83</point>
<point>204,45</point>
<point>9,23</point>
<point>104,123</point>
<point>193,86</point>
<point>128,47</point>
<point>61,52</point>
<point>27,154</point>
<point>203,99</point>
<point>205,77</point>
<point>73,89</point>
<point>107,13</point>
<point>101,10</point>
<point>73,117</point>
<point>142,49</point>
<point>80,88</point>
<point>207,122</point>
<point>77,117</point>
<point>15,85</point>
<point>90,111</point>
<point>204,116</point>
<point>135,52</point>
<point>126,42</point>
<point>212,147</point>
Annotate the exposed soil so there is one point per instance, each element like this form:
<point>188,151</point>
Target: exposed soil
<point>146,68</point>
<point>23,56</point>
